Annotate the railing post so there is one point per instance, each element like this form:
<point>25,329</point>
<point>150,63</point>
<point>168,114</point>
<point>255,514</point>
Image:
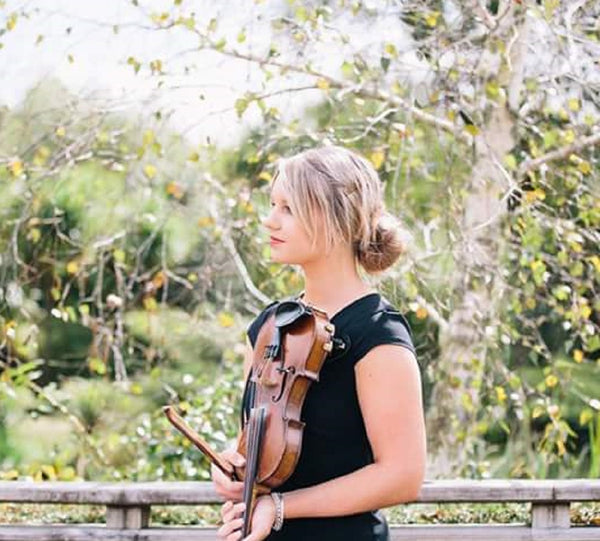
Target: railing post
<point>550,515</point>
<point>127,517</point>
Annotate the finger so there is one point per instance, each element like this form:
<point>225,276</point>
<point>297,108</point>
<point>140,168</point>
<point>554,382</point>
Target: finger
<point>235,458</point>
<point>231,527</point>
<point>235,536</point>
<point>226,507</point>
<point>233,512</point>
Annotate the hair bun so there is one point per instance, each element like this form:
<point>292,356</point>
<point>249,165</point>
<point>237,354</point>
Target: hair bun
<point>388,242</point>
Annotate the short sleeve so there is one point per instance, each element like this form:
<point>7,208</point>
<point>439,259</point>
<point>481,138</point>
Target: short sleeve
<point>385,327</point>
<point>254,327</point>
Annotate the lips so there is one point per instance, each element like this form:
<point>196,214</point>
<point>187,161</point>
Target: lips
<point>275,240</point>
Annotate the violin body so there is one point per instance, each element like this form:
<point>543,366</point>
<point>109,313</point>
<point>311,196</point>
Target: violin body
<point>280,378</point>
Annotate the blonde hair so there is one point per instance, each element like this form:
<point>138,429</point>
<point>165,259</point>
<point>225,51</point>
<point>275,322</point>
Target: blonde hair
<point>340,190</point>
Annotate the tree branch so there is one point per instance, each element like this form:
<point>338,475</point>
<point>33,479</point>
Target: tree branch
<point>358,90</point>
<point>559,154</point>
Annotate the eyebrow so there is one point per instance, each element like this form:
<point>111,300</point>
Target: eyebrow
<point>283,199</point>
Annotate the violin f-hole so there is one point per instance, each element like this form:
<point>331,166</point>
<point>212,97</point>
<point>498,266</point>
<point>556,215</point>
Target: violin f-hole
<point>285,372</point>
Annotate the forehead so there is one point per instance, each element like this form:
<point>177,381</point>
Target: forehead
<point>279,192</point>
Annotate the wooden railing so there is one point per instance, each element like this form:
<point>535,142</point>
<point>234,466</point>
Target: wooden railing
<point>128,510</point>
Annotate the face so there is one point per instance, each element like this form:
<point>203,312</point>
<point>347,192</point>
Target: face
<point>290,242</point>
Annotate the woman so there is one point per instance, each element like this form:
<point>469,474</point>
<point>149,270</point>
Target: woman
<point>364,441</point>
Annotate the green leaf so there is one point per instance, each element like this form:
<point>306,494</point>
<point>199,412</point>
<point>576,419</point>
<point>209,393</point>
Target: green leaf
<point>97,365</point>
<point>220,45</point>
<point>385,63</point>
<point>241,104</point>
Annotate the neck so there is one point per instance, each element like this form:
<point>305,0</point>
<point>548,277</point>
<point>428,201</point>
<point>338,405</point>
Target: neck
<point>333,281</point>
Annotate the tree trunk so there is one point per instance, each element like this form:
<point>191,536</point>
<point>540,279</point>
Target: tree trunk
<point>455,400</point>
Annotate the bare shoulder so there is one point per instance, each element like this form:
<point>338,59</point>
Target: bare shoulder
<point>389,360</point>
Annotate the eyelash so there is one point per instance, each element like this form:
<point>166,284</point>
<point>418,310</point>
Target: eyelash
<point>285,207</point>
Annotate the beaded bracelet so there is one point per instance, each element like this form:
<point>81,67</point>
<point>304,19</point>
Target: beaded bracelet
<point>278,501</point>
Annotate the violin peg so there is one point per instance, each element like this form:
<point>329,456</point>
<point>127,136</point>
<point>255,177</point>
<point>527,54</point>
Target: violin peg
<point>330,328</point>
<point>328,346</point>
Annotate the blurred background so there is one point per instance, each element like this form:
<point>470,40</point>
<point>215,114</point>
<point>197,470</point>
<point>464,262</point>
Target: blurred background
<point>137,143</point>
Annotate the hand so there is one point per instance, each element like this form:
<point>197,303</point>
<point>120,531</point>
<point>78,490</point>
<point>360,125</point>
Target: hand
<point>260,526</point>
<point>224,486</point>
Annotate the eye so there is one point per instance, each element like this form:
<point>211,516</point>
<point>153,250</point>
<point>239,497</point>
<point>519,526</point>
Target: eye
<point>287,209</point>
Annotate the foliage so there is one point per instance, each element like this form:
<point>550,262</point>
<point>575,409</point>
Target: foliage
<point>133,259</point>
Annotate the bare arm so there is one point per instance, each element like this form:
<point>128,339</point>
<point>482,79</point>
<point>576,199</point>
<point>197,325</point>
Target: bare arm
<point>389,391</point>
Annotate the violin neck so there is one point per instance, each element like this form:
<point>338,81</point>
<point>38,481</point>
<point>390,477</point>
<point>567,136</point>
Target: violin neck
<point>256,426</point>
<point>178,422</point>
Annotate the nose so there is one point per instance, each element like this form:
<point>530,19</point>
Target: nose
<point>270,220</point>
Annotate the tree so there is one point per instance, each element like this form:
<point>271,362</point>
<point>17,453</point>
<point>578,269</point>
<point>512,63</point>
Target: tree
<point>481,119</point>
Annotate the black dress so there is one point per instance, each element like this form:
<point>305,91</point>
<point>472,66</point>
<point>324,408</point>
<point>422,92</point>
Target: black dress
<point>335,441</point>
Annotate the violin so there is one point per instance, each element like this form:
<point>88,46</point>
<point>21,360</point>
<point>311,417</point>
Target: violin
<point>290,350</point>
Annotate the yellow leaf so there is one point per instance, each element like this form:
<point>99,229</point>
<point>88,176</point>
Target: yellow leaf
<point>421,313</point>
<point>60,131</point>
<point>578,356</point>
<point>323,84</point>
<point>551,380</point>
<point>72,267</point>
<point>537,411</point>
<point>390,49</point>
<point>472,129</point>
<point>175,190</point>
<point>150,304</point>
<point>396,88</point>
<point>11,22</point>
<point>41,155</point>
<point>119,255</point>
<point>150,171</point>
<point>225,319</point>
<point>16,167</point>
<point>530,196</point>
<point>585,167</point>
<point>97,365</point>
<point>574,104</point>
<point>159,279</point>
<point>568,136</point>
<point>432,18</point>
<point>585,416</point>
<point>148,137</point>
<point>510,162</point>
<point>70,58</point>
<point>265,175</point>
<point>194,157</point>
<point>9,475</point>
<point>530,303</point>
<point>34,235</point>
<point>205,221</point>
<point>67,473</point>
<point>500,394</point>
<point>377,158</point>
<point>596,262</point>
<point>561,447</point>
<point>48,472</point>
